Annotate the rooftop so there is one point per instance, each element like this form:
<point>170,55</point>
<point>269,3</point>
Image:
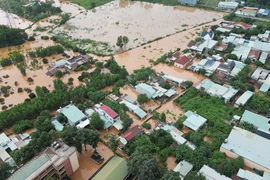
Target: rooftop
<point>257,120</point>
<point>248,175</point>
<point>183,168</point>
<point>72,113</point>
<point>3,139</point>
<point>57,125</point>
<point>132,132</point>
<point>115,169</point>
<point>137,110</point>
<point>89,112</point>
<point>182,60</point>
<point>195,121</point>
<point>249,145</point>
<point>109,111</point>
<point>177,136</point>
<point>211,174</point>
<point>146,87</point>
<point>254,54</point>
<point>242,100</point>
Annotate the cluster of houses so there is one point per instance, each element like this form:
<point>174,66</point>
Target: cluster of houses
<point>261,79</point>
<point>12,143</point>
<point>69,64</point>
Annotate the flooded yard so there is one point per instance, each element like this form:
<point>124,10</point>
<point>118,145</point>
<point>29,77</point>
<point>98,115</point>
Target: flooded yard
<point>171,163</point>
<point>140,21</point>
<point>139,57</point>
<point>127,90</point>
<point>171,110</point>
<point>87,166</point>
<point>178,72</point>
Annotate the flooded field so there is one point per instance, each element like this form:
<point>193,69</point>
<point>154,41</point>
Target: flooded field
<point>139,21</point>
<point>171,163</point>
<point>138,57</point>
<point>132,93</point>
<point>171,110</point>
<point>87,166</point>
<point>13,20</point>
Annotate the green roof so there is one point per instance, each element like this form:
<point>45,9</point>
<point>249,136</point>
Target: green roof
<point>72,113</point>
<point>28,169</point>
<point>115,169</point>
<point>57,125</point>
<point>255,119</point>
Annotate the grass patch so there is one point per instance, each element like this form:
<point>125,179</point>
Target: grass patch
<point>90,4</point>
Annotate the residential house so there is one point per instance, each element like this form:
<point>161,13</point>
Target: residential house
<point>262,46</point>
<point>242,51</point>
<point>115,168</point>
<point>206,45</point>
<point>242,25</point>
<point>188,2</point>
<point>258,121</point>
<point>237,68</point>
<point>253,148</point>
<point>207,35</point>
<point>57,125</point>
<point>135,109</point>
<point>175,56</point>
<point>5,157</point>
<point>173,79</point>
<point>261,76</point>
<point>109,116</point>
<point>243,99</point>
<point>211,174</point>
<point>175,133</point>
<point>226,67</point>
<point>76,61</point>
<point>221,46</point>
<point>248,175</point>
<point>18,141</point>
<point>194,121</point>
<point>264,57</point>
<point>183,60</point>
<point>264,37</point>
<point>73,114</point>
<point>228,5</point>
<point>183,167</point>
<point>209,64</point>
<point>148,90</point>
<point>59,161</point>
<point>224,92</point>
<point>247,12</point>
<point>130,134</point>
<point>254,55</point>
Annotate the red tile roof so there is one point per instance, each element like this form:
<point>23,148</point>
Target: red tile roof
<point>254,54</point>
<point>242,25</point>
<point>109,111</point>
<point>182,60</point>
<point>190,44</point>
<point>132,132</point>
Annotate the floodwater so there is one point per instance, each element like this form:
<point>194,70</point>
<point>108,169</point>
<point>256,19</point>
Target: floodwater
<point>171,110</point>
<point>139,57</point>
<point>13,20</point>
<point>87,166</point>
<point>171,163</point>
<point>140,21</point>
<point>178,72</point>
<point>66,7</point>
<point>127,90</point>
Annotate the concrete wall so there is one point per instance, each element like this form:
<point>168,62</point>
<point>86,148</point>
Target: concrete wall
<point>74,161</point>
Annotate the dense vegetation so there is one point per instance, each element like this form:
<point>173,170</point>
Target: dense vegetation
<point>259,104</point>
<point>48,51</point>
<point>13,58</point>
<point>165,2</point>
<point>89,4</point>
<point>33,12</point>
<point>11,36</point>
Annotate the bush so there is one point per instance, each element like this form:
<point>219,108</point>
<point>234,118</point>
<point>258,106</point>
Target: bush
<point>142,98</point>
<point>30,79</point>
<point>20,90</point>
<point>45,37</point>
<point>146,125</point>
<point>59,74</point>
<point>31,38</point>
<point>21,126</point>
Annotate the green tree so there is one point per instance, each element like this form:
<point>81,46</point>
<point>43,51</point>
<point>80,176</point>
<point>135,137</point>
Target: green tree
<point>58,74</point>
<point>21,126</point>
<point>171,175</point>
<point>113,142</point>
<point>96,122</point>
<point>161,138</point>
<point>196,138</point>
<point>193,175</point>
<point>88,136</point>
<point>142,98</point>
<point>122,41</point>
<point>99,64</point>
<point>43,123</point>
<point>5,170</point>
<point>146,125</point>
<point>155,115</point>
<point>163,117</point>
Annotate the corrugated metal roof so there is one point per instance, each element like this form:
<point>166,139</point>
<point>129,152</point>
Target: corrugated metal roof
<point>210,173</point>
<point>242,100</point>
<point>115,169</point>
<point>57,125</point>
<point>255,119</point>
<point>195,121</point>
<point>264,88</point>
<point>72,113</point>
<point>183,167</point>
<point>249,145</point>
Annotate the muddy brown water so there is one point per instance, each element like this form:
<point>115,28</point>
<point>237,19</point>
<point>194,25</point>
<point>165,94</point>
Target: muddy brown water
<point>140,21</point>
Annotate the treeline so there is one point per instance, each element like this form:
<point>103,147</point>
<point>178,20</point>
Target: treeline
<point>34,11</point>
<point>13,58</point>
<point>11,36</point>
<point>164,2</point>
<point>48,51</point>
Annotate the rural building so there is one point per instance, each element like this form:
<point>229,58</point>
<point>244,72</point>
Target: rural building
<point>173,79</point>
<point>135,109</point>
<point>183,60</point>
<point>262,46</point>
<point>76,61</point>
<point>194,121</point>
<point>226,67</point>
<point>228,5</point>
<point>109,116</point>
<point>175,56</point>
<point>89,112</point>
<point>58,160</point>
<point>263,57</point>
<point>57,125</point>
<point>5,157</point>
<point>73,114</point>
<point>253,148</point>
<point>115,169</point>
<point>206,45</point>
<point>258,121</point>
<point>246,12</point>
<point>237,68</point>
<point>149,90</point>
<point>243,99</point>
<point>183,167</point>
<point>254,55</point>
<point>211,174</point>
<point>130,134</point>
<point>177,136</point>
<point>207,35</point>
<point>244,174</point>
<point>188,2</point>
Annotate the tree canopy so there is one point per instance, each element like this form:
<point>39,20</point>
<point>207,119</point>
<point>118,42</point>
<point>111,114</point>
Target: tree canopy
<point>11,36</point>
